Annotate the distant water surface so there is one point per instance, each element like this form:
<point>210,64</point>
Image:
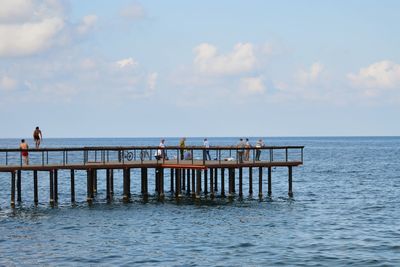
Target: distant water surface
<point>345,212</point>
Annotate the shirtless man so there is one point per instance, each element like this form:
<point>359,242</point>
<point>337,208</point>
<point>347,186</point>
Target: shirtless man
<point>37,136</point>
<point>24,153</point>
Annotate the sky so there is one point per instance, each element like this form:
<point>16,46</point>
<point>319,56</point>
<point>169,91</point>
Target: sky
<point>99,68</point>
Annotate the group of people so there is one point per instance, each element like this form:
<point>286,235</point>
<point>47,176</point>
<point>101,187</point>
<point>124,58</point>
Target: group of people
<point>244,149</point>
<point>185,154</point>
<point>37,137</point>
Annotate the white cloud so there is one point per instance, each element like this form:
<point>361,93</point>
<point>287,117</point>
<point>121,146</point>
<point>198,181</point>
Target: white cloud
<point>15,10</point>
<point>240,60</point>
<point>88,22</point>
<point>7,83</point>
<point>134,11</point>
<point>127,62</point>
<point>384,75</point>
<point>28,38</point>
<point>28,27</point>
<point>306,77</point>
<point>252,85</point>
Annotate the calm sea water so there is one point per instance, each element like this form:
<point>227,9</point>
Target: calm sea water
<point>345,212</point>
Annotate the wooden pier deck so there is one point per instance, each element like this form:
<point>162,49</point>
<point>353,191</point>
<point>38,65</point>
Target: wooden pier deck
<point>197,175</point>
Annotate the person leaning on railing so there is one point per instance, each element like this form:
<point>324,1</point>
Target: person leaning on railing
<point>259,144</point>
<point>240,150</point>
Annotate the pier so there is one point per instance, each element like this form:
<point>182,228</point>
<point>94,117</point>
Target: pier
<point>196,175</point>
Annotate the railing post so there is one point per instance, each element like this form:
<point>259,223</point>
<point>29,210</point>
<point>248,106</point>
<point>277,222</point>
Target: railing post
<point>286,150</point>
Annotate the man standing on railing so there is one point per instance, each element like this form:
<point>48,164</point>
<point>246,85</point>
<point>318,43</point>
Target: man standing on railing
<point>207,149</point>
<point>24,153</point>
<point>37,136</point>
<point>259,144</point>
<point>240,151</point>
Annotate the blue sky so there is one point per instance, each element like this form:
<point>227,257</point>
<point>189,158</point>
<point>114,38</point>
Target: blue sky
<point>199,68</point>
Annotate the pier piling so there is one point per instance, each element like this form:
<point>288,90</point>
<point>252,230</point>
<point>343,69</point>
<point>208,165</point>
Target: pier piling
<point>35,187</point>
<point>260,174</point>
<point>19,178</point>
<point>223,182</point>
<point>269,181</point>
<point>72,186</point>
<point>250,181</point>
<point>12,188</point>
<point>290,193</point>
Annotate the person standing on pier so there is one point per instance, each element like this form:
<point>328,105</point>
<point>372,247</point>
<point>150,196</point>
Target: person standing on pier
<point>240,150</point>
<point>259,144</point>
<point>207,149</point>
<point>182,147</point>
<point>247,152</point>
<point>160,154</point>
<point>37,136</point>
<point>24,153</point>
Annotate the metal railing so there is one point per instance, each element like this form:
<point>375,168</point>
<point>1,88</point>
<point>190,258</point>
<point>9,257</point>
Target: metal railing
<point>144,154</point>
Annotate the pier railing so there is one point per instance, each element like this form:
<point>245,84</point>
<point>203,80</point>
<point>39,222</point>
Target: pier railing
<point>147,154</point>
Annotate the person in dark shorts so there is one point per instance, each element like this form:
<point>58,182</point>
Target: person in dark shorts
<point>37,136</point>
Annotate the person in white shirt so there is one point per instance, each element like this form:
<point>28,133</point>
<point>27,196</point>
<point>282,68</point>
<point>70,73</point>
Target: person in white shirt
<point>259,144</point>
<point>160,154</point>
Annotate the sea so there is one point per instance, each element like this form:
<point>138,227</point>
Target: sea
<point>345,212</point>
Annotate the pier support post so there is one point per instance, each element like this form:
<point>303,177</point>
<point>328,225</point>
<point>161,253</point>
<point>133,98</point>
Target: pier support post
<point>89,183</point>
<point>198,183</point>
<point>12,188</point>
<point>19,199</point>
<point>145,187</point>
<point>183,178</point>
<point>55,192</point>
<point>193,182</point>
<point>112,182</point>
<point>188,181</point>
<point>240,182</point>
<point>216,180</point>
<point>250,181</point>
<point>212,192</point>
<point>260,173</point>
<point>51,177</point>
<point>177,183</point>
<point>205,182</point>
<point>172,180</point>
<point>35,187</point>
<point>223,182</point>
<point>290,192</point>
<point>95,181</point>
<point>161,181</point>
<point>127,184</point>
<point>269,181</point>
<point>72,186</point>
<point>231,181</point>
<point>156,180</point>
<point>108,190</point>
